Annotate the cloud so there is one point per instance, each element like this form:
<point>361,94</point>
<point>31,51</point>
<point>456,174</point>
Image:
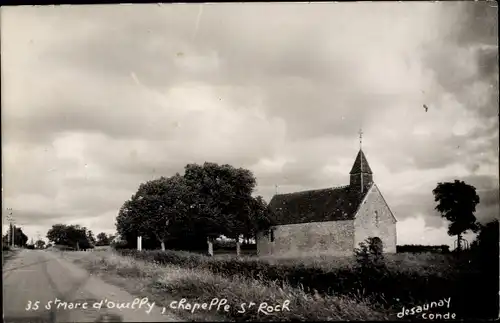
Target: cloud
<point>98,99</point>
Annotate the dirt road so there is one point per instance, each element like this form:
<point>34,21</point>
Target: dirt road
<point>48,281</point>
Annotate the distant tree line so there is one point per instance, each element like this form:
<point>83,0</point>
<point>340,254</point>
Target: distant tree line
<point>422,248</point>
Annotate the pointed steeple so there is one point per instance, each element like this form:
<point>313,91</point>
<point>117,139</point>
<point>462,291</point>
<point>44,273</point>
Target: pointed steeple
<point>361,173</point>
<point>360,165</point>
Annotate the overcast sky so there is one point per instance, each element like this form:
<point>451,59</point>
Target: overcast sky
<point>97,99</point>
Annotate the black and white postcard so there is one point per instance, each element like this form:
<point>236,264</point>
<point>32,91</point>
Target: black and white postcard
<point>250,162</point>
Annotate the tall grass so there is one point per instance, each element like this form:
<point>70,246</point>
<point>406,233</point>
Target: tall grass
<point>332,282</point>
<point>340,273</point>
<point>168,282</point>
<point>404,280</point>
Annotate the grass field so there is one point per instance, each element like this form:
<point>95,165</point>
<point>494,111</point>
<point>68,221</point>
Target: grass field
<point>167,283</point>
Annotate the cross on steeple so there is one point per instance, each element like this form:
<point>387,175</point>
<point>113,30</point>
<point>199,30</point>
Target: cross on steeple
<point>360,138</point>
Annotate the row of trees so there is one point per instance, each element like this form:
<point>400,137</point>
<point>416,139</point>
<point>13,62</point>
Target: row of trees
<point>20,239</point>
<point>186,211</point>
<point>423,248</point>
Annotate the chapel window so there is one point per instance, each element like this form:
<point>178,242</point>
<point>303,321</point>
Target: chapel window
<point>376,218</point>
<point>271,235</point>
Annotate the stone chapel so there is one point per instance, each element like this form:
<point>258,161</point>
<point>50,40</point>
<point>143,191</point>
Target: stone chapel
<point>330,221</point>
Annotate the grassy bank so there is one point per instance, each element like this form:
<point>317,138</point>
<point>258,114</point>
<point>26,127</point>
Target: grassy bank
<point>406,279</point>
<point>320,288</point>
<point>425,277</point>
<point>165,283</point>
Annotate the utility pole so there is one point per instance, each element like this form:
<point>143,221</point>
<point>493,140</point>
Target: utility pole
<point>12,229</point>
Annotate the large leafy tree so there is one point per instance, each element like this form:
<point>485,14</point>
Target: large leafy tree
<point>251,218</point>
<point>128,224</point>
<point>209,200</point>
<point>221,199</point>
<point>261,217</point>
<point>57,234</point>
<point>69,235</point>
<point>158,210</point>
<point>163,204</point>
<point>457,203</point>
<point>254,217</point>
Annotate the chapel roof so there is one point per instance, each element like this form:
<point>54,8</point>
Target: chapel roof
<point>329,204</point>
<point>361,164</point>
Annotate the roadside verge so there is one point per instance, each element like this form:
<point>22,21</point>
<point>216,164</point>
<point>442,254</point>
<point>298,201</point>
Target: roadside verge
<point>170,285</point>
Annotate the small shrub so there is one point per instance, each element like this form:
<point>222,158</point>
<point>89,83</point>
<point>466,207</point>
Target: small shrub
<point>370,254</point>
